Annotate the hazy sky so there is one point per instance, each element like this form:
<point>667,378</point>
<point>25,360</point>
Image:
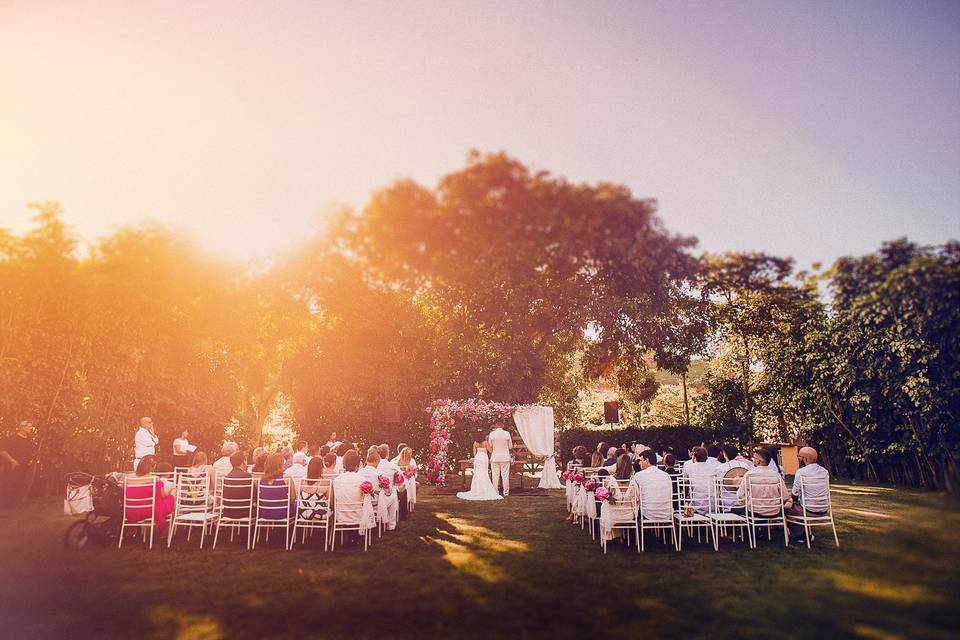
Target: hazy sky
<point>806,129</point>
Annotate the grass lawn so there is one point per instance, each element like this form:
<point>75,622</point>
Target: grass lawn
<point>506,569</point>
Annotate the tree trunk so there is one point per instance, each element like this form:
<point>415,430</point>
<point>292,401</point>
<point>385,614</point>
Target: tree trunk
<point>686,403</point>
<point>745,368</point>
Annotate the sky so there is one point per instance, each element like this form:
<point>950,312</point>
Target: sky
<point>813,130</point>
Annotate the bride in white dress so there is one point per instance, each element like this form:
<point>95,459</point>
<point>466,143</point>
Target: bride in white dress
<point>481,488</point>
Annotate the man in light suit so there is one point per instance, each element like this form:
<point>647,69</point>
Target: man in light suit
<point>501,443</point>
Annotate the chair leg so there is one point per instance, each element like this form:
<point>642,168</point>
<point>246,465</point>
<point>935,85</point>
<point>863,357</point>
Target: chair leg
<point>834,527</point>
<point>216,534</point>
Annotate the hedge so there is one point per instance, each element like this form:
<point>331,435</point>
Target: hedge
<point>680,437</point>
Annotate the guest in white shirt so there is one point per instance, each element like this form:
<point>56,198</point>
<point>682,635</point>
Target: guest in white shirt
<point>223,466</point>
<point>767,489</point>
<point>713,453</point>
<point>298,470</point>
<point>371,470</point>
<point>701,476</point>
<point>346,489</point>
<point>389,469</point>
<point>182,450</point>
<point>145,441</point>
<point>655,488</point>
<point>728,494</point>
<point>816,490</point>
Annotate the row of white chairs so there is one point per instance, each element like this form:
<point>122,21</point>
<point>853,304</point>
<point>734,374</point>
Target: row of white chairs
<point>236,506</point>
<point>710,505</point>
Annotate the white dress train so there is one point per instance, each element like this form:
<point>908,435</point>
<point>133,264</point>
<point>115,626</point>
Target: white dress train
<point>481,487</point>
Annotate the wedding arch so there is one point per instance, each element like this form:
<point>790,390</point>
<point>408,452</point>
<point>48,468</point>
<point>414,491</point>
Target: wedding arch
<point>534,424</point>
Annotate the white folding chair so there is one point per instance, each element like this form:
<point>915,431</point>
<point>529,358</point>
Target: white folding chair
<point>817,507</point>
<point>313,510</point>
<point>695,496</point>
<point>142,503</point>
<point>273,511</point>
<point>343,513</point>
<point>235,506</point>
<point>723,516</point>
<point>661,506</point>
<point>624,513</point>
<point>193,508</point>
<point>764,506</point>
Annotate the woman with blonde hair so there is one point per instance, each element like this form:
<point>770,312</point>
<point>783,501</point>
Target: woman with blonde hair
<point>199,466</point>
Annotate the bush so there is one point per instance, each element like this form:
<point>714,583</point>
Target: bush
<point>680,437</point>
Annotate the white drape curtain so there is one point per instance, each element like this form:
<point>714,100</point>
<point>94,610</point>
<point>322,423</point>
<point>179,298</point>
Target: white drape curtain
<point>535,424</point>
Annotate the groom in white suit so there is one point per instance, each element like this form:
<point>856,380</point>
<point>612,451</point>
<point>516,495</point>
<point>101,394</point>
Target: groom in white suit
<point>501,443</point>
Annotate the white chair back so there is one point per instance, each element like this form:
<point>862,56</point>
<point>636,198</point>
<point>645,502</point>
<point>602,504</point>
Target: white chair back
<point>143,505</point>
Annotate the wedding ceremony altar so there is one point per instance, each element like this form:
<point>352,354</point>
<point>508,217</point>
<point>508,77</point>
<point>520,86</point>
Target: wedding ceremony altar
<point>457,420</point>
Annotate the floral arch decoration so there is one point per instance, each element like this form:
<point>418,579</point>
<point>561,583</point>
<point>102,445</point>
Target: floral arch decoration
<point>447,416</point>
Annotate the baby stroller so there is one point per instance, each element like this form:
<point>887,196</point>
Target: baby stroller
<point>102,525</point>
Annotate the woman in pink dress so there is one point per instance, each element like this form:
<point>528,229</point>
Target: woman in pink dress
<point>164,501</point>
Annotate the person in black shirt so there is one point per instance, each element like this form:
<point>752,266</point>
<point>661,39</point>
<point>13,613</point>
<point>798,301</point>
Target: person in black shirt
<point>16,451</point>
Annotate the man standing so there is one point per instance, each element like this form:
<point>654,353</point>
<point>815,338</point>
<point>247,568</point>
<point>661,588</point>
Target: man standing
<point>145,441</point>
<point>501,443</point>
<point>15,454</point>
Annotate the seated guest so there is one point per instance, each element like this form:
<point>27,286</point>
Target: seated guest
<point>670,468</point>
<point>728,494</point>
<point>346,489</point>
<point>298,470</point>
<point>260,462</point>
<point>609,512</point>
<point>200,466</point>
<point>255,455</point>
<point>816,488</point>
<point>313,494</point>
<point>655,488</point>
<point>341,450</point>
<point>287,453</point>
<point>164,499</point>
<point>239,466</point>
<point>312,452</point>
<point>238,472</point>
<point>272,487</point>
<point>670,465</point>
<point>579,459</point>
<point>731,460</point>
<point>165,468</point>
<point>223,466</point>
<point>602,448</point>
<point>323,451</point>
<point>302,447</point>
<point>701,477</point>
<point>774,459</point>
<point>596,460</point>
<point>762,470</point>
<point>713,454</point>
<point>329,466</point>
<point>390,470</point>
<point>371,471</point>
<point>611,460</point>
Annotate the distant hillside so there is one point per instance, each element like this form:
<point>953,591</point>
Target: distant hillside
<point>698,368</point>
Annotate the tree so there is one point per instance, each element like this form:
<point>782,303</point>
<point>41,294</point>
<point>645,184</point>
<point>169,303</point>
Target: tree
<point>515,268</point>
<point>745,289</point>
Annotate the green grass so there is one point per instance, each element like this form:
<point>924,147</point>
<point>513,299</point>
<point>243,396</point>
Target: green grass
<point>505,569</point>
